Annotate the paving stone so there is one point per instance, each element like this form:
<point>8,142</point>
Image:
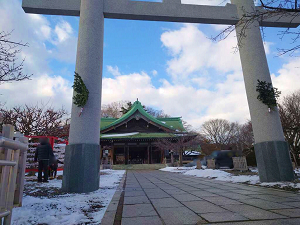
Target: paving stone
<point>175,191</point>
<point>138,210</point>
<point>134,193</point>
<point>204,197</point>
<point>202,193</point>
<point>235,196</point>
<point>271,198</point>
<point>216,190</point>
<point>157,190</point>
<point>133,186</point>
<point>203,207</point>
<point>294,204</point>
<point>153,220</point>
<point>136,200</point>
<point>186,198</point>
<point>264,204</point>
<point>200,186</point>
<point>189,189</point>
<point>246,192</point>
<point>295,198</point>
<point>179,216</point>
<point>286,194</point>
<point>220,200</point>
<point>166,203</point>
<point>265,222</point>
<point>152,195</point>
<point>252,212</point>
<point>224,187</point>
<point>288,212</point>
<point>133,189</point>
<point>165,187</point>
<point>223,217</point>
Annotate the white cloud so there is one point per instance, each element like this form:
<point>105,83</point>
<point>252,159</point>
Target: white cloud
<point>195,105</point>
<point>154,72</point>
<point>267,46</point>
<point>36,31</point>
<point>55,90</point>
<point>288,77</point>
<point>113,70</point>
<point>63,31</point>
<point>192,52</point>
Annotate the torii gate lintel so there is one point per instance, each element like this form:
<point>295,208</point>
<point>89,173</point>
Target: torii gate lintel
<point>167,11</point>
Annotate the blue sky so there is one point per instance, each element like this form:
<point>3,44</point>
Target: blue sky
<point>170,66</point>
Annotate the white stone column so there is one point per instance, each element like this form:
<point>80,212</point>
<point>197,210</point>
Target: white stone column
<point>267,126</point>
<point>82,160</point>
<point>89,63</point>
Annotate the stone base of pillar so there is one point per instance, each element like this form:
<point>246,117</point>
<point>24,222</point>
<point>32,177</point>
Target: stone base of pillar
<point>81,168</point>
<point>273,161</point>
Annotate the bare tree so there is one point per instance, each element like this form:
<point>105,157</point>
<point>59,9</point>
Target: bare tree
<point>156,113</point>
<point>118,109</point>
<point>275,9</point>
<point>113,110</point>
<point>245,138</point>
<point>289,111</point>
<point>36,120</point>
<point>10,69</point>
<point>220,132</point>
<point>180,145</point>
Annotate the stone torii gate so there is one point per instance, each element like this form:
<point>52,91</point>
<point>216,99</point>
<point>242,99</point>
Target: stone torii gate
<point>81,171</point>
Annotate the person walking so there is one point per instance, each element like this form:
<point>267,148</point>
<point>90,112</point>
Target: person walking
<point>43,153</point>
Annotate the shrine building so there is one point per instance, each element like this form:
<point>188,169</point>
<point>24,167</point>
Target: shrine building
<point>130,139</point>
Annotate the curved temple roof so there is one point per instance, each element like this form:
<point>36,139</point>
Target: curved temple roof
<point>174,124</point>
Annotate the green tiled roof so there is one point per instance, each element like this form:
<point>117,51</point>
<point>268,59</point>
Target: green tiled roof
<point>106,121</point>
<point>174,124</point>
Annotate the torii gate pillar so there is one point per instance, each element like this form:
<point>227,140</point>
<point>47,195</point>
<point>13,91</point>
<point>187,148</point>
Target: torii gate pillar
<point>82,157</point>
<point>271,149</point>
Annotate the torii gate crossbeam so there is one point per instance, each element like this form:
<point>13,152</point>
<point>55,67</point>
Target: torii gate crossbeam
<point>168,11</point>
<point>82,160</point>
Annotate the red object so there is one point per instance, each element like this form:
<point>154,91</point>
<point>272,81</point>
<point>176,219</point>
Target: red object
<point>51,139</point>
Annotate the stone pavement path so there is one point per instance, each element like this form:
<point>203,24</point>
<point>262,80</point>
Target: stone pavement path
<point>157,198</point>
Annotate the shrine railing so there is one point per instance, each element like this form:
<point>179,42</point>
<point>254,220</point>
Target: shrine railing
<point>12,171</point>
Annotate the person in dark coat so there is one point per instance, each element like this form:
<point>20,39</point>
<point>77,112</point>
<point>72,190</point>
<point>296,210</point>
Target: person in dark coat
<point>43,153</point>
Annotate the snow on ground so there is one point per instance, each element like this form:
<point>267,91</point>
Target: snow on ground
<point>222,175</point>
<point>44,203</point>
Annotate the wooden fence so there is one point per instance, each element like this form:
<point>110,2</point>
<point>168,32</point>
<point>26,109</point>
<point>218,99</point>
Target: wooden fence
<point>12,171</point>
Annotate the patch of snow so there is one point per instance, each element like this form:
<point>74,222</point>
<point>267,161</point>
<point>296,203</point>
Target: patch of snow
<point>253,169</point>
<point>222,175</point>
<point>67,209</point>
<point>192,153</point>
<point>120,135</point>
<point>177,169</point>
